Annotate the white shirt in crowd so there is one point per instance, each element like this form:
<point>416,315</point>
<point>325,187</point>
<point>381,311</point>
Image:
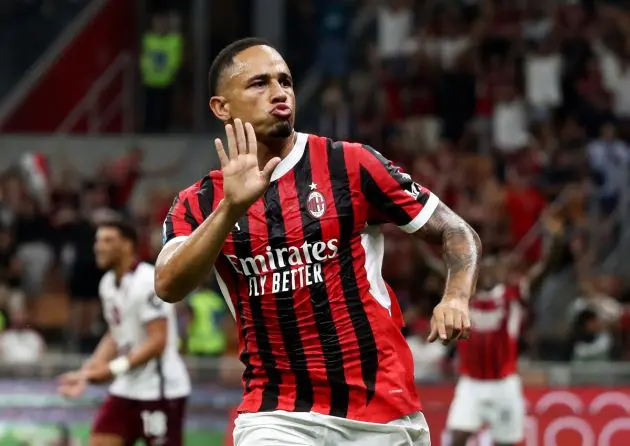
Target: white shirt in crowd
<point>21,347</point>
<point>542,80</point>
<point>616,79</point>
<point>612,159</point>
<point>509,126</point>
<point>446,50</point>
<point>128,306</point>
<point>395,28</point>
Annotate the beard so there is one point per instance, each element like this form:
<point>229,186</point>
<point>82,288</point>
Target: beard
<point>281,130</point>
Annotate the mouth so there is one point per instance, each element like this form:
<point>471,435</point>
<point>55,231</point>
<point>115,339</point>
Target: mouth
<point>281,111</point>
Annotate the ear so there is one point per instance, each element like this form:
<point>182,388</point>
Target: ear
<point>220,107</point>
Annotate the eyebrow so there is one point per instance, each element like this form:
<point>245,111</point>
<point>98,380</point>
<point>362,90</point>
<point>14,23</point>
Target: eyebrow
<point>266,77</point>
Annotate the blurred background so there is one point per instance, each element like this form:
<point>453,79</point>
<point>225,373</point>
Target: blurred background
<point>515,112</point>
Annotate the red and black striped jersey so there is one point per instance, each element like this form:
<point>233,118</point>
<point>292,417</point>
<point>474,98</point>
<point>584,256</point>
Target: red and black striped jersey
<point>301,272</point>
<point>491,352</point>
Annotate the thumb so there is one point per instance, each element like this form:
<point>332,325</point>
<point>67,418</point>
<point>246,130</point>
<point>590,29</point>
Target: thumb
<point>269,168</point>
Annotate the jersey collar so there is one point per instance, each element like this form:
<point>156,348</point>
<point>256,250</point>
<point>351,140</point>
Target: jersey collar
<point>294,156</point>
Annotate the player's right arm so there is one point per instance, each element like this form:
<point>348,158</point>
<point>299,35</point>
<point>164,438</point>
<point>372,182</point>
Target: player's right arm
<point>187,258</point>
<point>105,351</point>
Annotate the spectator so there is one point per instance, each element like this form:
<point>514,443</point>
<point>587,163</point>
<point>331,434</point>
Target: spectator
<point>509,121</point>
<point>395,20</point>
<point>590,340</point>
<point>11,296</point>
<point>543,70</point>
<point>20,344</point>
<point>208,322</point>
<point>160,61</point>
<point>609,159</point>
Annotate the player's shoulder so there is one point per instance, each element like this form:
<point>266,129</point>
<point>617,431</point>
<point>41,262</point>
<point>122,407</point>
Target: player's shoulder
<point>204,184</point>
<point>317,142</point>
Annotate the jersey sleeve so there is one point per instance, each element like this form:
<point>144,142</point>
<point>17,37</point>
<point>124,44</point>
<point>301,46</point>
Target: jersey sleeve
<point>393,194</point>
<point>151,307</point>
<point>190,207</point>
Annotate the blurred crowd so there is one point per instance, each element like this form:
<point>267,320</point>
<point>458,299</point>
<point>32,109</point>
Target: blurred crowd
<point>516,114</point>
<point>47,227</point>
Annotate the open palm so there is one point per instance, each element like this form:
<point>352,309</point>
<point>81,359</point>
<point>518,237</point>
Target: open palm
<point>243,181</point>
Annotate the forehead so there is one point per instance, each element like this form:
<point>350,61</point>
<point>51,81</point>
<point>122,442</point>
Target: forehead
<point>107,232</point>
<point>255,61</point>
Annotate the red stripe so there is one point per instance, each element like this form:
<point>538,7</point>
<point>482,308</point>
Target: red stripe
<point>180,226</point>
<point>259,233</point>
<point>301,295</point>
<point>345,331</point>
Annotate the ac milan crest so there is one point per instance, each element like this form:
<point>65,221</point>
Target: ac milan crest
<point>316,204</point>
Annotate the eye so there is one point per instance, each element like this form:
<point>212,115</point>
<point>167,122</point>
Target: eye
<point>286,83</point>
<point>258,84</point>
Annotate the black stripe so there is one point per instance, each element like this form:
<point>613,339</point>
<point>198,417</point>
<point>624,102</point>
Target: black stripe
<point>360,322</point>
<point>328,338</point>
<point>205,195</point>
<point>160,372</point>
<point>381,201</point>
<point>271,391</point>
<point>189,217</point>
<point>287,319</point>
<point>403,180</point>
<point>245,356</point>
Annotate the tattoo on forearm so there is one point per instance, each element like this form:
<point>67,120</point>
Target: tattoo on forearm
<point>462,248</point>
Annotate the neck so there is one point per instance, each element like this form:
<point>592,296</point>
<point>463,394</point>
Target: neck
<point>124,266</point>
<point>275,147</point>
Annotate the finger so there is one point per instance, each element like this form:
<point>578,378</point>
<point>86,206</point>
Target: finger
<point>269,168</point>
<point>457,326</point>
<point>241,142</point>
<point>440,326</point>
<point>252,142</point>
<point>223,158</point>
<point>448,325</point>
<point>231,140</point>
<point>433,334</point>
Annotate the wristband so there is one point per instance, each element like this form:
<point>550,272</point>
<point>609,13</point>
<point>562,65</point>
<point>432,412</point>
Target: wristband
<point>119,365</point>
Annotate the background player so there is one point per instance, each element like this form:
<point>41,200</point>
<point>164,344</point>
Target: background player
<point>150,386</point>
<point>489,391</point>
<point>326,362</point>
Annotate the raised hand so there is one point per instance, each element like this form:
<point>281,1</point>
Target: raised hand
<point>243,181</point>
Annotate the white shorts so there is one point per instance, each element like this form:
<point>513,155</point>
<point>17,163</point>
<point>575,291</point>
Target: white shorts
<point>282,428</point>
<point>498,404</point>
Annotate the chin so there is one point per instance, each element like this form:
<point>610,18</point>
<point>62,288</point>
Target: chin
<point>282,129</point>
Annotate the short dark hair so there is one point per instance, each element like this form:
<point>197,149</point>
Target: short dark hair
<point>124,228</point>
<point>225,58</point>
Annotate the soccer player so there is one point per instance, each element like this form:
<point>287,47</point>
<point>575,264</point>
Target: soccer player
<point>489,391</point>
<point>290,223</point>
<point>147,397</point>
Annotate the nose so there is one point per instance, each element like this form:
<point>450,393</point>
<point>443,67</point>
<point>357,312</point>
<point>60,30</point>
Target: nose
<point>278,95</point>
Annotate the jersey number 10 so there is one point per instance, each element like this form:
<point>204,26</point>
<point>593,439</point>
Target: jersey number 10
<point>153,423</point>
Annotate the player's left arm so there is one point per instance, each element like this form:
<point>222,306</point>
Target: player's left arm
<point>395,197</point>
